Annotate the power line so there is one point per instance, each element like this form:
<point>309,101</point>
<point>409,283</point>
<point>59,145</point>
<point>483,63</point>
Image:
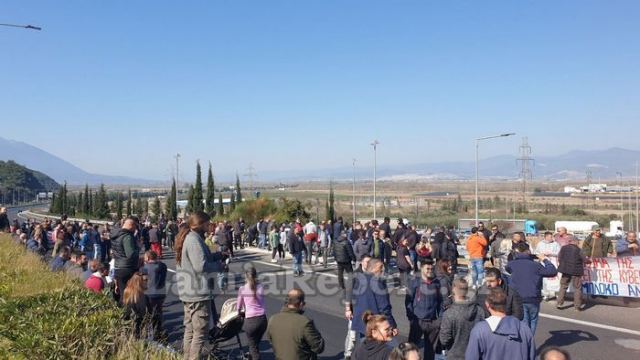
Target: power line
<point>251,174</point>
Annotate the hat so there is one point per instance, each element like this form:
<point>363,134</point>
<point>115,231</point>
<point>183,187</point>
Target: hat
<point>596,227</point>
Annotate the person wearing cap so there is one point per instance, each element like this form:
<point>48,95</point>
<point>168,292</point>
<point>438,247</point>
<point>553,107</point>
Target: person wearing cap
<point>596,245</point>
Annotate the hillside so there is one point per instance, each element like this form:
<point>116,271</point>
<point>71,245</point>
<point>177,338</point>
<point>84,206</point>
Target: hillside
<point>24,181</point>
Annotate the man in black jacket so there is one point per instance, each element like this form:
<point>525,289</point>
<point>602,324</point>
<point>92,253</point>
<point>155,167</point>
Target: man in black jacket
<point>571,262</point>
<point>126,254</point>
<point>344,255</point>
<point>493,279</point>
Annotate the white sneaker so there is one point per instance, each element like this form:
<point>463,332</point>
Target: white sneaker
<point>274,260</point>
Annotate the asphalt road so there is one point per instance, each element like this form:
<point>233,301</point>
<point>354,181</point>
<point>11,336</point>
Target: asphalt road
<point>600,332</point>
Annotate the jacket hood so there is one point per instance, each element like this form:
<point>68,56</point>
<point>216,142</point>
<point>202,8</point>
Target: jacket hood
<point>509,327</point>
<point>468,309</point>
<point>375,347</point>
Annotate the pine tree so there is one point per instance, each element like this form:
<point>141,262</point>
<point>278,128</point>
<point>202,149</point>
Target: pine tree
<point>130,203</point>
<point>238,190</point>
<point>52,206</point>
<point>92,207</point>
<point>198,205</point>
<point>211,195</point>
<point>171,207</point>
<point>232,202</point>
<point>102,204</point>
<point>220,206</point>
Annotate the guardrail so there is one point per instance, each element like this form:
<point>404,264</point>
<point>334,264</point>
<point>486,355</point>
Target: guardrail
<point>26,215</point>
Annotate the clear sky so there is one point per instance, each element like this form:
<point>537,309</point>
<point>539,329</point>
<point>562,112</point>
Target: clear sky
<point>310,83</point>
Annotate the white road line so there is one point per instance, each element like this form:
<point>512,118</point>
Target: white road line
<point>171,270</point>
<point>587,323</point>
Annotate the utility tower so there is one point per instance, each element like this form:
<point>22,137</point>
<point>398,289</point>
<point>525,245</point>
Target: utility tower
<point>589,179</point>
<point>251,174</point>
<point>526,163</point>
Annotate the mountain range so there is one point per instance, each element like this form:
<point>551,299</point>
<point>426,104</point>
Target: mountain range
<point>573,165</point>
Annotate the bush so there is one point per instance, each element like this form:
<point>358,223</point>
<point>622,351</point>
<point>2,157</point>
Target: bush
<point>45,315</point>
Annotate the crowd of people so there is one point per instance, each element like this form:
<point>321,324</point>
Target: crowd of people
<point>492,313</point>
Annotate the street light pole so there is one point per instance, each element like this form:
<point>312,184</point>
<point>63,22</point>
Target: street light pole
<point>354,191</point>
<point>375,166</point>
<point>477,161</point>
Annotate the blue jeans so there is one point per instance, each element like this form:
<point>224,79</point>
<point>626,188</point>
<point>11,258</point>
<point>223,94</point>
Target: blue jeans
<point>413,255</point>
<point>297,263</point>
<point>531,316</point>
<point>262,241</point>
<point>477,271</point>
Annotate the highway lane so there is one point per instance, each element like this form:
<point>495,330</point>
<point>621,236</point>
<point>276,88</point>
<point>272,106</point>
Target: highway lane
<point>603,331</point>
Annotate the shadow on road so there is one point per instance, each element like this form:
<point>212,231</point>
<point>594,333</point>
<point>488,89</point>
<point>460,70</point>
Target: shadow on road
<point>563,338</point>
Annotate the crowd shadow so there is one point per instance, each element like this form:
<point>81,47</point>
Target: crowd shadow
<point>562,338</point>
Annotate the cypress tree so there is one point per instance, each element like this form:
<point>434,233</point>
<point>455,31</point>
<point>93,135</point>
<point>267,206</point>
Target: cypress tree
<point>80,202</point>
<point>156,208</point>
<point>220,205</point>
<point>102,204</point>
<point>118,205</point>
<point>52,206</point>
<point>86,205</point>
<point>130,203</point>
<point>238,190</point>
<point>189,208</point>
<point>91,204</point>
<point>332,210</point>
<point>232,202</point>
<point>198,205</point>
<point>171,208</point>
<point>211,196</point>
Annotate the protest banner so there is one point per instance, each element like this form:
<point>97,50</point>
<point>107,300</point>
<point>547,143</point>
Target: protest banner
<point>612,277</point>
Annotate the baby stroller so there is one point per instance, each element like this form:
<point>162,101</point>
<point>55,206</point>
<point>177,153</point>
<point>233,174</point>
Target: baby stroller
<point>229,326</point>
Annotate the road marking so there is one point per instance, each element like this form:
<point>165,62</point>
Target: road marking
<point>587,323</point>
<point>171,270</point>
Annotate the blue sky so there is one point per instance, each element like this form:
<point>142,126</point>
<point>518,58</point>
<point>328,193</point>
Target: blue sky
<point>118,87</point>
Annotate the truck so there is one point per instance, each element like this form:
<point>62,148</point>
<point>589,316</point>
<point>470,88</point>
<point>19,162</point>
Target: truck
<point>579,229</point>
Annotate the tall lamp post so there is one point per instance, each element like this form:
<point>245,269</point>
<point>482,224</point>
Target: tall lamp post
<point>477,146</point>
<point>375,144</point>
<point>354,191</point>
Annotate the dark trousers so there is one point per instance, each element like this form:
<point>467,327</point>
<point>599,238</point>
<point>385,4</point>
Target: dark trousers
<point>342,267</point>
<point>122,276</point>
<point>430,330</point>
<point>156,304</point>
<point>576,281</point>
<point>309,252</point>
<point>277,250</point>
<point>255,328</point>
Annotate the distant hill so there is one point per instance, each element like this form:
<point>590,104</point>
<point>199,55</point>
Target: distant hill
<point>59,169</point>
<point>15,178</point>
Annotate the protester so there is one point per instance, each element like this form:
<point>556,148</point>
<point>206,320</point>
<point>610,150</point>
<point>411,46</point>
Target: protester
<point>136,304</point>
<point>550,249</point>
<point>4,220</point>
<point>526,278</point>
<point>571,264</point>
<point>126,253</point>
<point>350,341</point>
<point>405,351</point>
<point>156,272</point>
<point>458,321</point>
<point>195,264</point>
<point>344,256</point>
<point>628,246</point>
<point>562,237</point>
<point>362,246</point>
<point>424,306</point>
<point>404,263</point>
<point>92,267</point>
<point>97,281</point>
<point>294,336</point>
<point>554,353</point>
<point>500,336</point>
<point>423,251</point>
<point>412,240</point>
<point>276,248</point>
<point>262,227</point>
<point>324,244</point>
<point>386,226</point>
<point>154,240</point>
<point>251,302</point>
<point>310,237</point>
<point>596,245</point>
<point>476,246</point>
<point>493,279</point>
<point>379,332</point>
<point>59,261</point>
<point>338,228</point>
<point>170,234</point>
<point>370,293</point>
<point>484,231</point>
<point>495,239</point>
<point>296,247</point>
